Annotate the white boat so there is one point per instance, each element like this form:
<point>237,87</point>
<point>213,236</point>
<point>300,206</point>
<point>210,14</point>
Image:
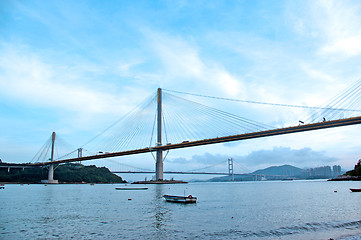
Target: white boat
<point>180,199</point>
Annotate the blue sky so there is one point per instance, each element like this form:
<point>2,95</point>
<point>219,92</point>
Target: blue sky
<point>75,67</point>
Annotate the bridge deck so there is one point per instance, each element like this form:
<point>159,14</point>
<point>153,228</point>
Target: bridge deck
<point>178,172</point>
<point>268,133</point>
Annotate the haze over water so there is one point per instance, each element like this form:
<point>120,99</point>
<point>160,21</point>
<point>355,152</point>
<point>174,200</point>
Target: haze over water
<point>239,210</point>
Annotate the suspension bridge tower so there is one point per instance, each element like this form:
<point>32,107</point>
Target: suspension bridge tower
<point>230,169</point>
<point>159,154</point>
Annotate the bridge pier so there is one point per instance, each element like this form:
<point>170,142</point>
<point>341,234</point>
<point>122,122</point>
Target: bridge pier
<point>159,165</point>
<point>51,175</point>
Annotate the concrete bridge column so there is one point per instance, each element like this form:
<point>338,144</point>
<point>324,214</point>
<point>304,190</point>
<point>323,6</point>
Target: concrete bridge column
<point>51,166</point>
<point>159,157</point>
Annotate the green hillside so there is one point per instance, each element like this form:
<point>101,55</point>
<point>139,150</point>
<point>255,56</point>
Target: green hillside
<point>66,173</point>
<point>285,170</point>
<point>356,171</point>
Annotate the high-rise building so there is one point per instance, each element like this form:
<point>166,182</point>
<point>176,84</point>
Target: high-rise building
<point>336,170</point>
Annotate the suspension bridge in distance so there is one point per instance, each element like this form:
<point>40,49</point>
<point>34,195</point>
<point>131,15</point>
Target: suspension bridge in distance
<point>159,147</point>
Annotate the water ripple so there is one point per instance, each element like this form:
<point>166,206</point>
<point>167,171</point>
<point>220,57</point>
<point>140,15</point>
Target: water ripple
<point>291,230</point>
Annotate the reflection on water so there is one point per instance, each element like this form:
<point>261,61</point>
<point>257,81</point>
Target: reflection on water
<point>49,204</point>
<point>258,210</point>
<point>161,215</point>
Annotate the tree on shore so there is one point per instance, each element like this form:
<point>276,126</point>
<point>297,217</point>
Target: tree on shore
<point>356,171</point>
<point>65,173</point>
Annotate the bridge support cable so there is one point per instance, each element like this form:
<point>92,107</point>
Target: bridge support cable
<point>345,96</point>
<point>151,137</point>
<point>208,167</point>
<point>166,137</point>
<point>133,132</point>
<point>106,135</point>
<point>129,166</point>
<point>186,131</point>
<point>43,154</point>
<point>241,167</point>
<point>174,132</point>
<point>261,103</point>
<point>62,150</point>
<point>346,104</point>
<point>130,132</point>
<point>197,121</point>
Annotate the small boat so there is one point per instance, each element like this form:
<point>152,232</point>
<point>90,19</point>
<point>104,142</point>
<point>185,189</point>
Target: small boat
<point>131,188</point>
<point>355,189</point>
<point>180,199</point>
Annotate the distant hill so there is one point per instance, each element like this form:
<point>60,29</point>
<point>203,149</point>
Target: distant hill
<point>65,173</point>
<point>285,170</point>
<point>273,173</point>
<point>236,178</point>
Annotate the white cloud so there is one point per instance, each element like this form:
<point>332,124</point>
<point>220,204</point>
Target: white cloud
<point>350,46</point>
<point>335,24</point>
<point>26,77</point>
<point>183,62</point>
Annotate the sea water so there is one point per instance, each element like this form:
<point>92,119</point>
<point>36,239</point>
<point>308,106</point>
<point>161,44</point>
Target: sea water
<point>229,210</point>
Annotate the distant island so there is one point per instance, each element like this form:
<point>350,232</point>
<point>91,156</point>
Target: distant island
<point>65,173</point>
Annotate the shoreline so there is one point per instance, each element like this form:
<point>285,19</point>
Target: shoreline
<point>91,183</point>
<point>346,178</point>
<point>160,182</point>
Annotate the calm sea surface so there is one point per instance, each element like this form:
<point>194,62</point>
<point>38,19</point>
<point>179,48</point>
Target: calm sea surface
<point>245,210</point>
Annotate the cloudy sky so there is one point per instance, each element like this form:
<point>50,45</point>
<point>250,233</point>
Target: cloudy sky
<point>75,67</point>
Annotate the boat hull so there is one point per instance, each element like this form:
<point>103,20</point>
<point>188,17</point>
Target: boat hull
<point>355,189</point>
<point>180,199</point>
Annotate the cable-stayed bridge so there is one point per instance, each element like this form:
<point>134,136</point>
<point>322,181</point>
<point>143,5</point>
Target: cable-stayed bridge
<point>166,122</point>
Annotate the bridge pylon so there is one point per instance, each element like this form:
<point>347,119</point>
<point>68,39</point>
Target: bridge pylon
<point>159,155</point>
<point>51,166</point>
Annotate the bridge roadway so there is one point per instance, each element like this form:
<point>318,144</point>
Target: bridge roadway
<point>176,172</point>
<point>245,136</point>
